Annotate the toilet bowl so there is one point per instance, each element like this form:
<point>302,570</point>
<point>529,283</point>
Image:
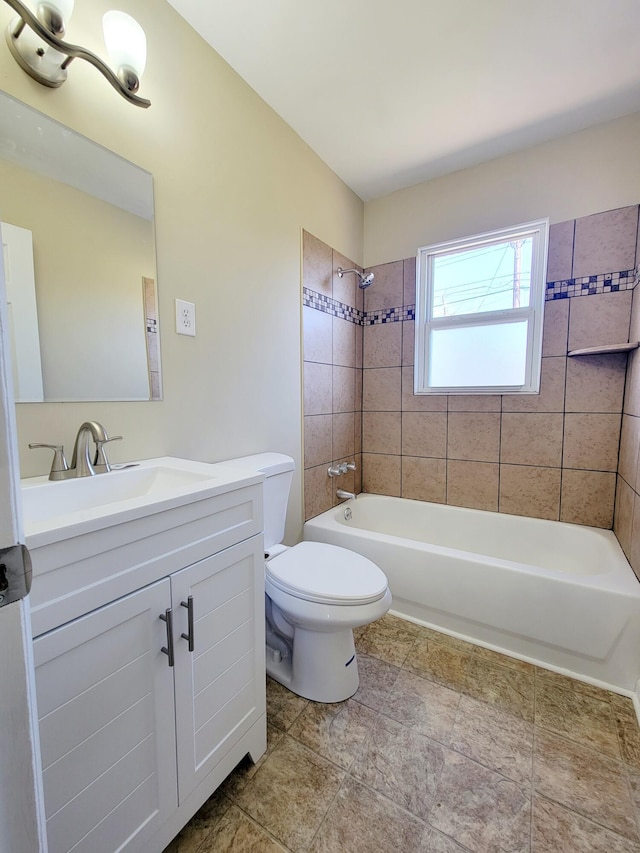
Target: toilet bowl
<point>315,595</point>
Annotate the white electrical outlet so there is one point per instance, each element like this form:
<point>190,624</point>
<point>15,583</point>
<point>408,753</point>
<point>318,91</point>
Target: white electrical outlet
<point>185,318</point>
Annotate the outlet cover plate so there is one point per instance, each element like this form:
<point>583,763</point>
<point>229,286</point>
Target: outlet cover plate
<point>185,318</point>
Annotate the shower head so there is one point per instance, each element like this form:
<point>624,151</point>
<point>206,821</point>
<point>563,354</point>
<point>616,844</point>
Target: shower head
<point>365,280</point>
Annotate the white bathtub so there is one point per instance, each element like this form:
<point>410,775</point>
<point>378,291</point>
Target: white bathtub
<point>562,596</point>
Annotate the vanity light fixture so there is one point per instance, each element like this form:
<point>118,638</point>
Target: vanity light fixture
<point>35,42</point>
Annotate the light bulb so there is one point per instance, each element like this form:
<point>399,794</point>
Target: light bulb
<point>126,42</point>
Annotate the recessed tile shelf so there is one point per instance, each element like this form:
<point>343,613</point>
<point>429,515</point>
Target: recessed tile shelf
<point>606,348</point>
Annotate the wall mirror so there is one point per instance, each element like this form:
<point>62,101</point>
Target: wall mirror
<point>79,259</point>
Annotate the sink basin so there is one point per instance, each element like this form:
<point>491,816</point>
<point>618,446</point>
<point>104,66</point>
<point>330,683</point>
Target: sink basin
<point>53,510</point>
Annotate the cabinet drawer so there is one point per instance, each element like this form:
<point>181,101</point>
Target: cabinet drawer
<point>78,575</point>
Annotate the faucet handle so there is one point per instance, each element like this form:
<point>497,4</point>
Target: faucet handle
<point>100,462</point>
<point>59,463</point>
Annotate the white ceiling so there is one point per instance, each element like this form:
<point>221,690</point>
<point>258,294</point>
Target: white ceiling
<point>393,92</point>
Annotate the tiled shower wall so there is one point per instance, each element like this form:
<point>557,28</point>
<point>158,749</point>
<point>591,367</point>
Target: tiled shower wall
<point>552,455</point>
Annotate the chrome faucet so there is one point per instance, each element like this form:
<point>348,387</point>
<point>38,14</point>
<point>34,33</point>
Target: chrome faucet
<point>82,463</point>
<point>344,496</point>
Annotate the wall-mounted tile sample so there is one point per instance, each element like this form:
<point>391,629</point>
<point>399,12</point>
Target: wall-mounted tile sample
<point>605,242</point>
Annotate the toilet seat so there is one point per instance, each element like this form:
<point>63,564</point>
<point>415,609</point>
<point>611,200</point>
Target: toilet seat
<point>326,574</point>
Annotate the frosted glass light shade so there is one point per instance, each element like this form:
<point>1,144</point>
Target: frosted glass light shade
<point>125,40</point>
<point>58,11</point>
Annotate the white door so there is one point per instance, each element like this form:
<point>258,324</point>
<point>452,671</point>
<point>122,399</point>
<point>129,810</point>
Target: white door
<point>21,810</point>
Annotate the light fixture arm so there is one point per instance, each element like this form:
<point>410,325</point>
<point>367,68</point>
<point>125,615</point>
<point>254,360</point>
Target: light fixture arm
<point>71,51</point>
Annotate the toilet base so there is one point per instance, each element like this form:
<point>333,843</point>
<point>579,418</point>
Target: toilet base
<point>324,667</point>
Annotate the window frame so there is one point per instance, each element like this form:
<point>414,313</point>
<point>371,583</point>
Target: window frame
<point>532,314</point>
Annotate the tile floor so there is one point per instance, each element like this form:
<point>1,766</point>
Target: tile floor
<point>446,747</point>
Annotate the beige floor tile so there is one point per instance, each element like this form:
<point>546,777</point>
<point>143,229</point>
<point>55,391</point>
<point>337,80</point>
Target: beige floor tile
<point>555,828</point>
<point>435,842</point>
<point>337,732</point>
<point>290,793</point>
<point>376,680</point>
<point>422,705</point>
<point>190,839</point>
<point>481,809</point>
<point>584,781</point>
<point>402,765</point>
<point>246,770</point>
<point>283,706</point>
<point>362,821</point>
<point>439,662</point>
<point>494,738</point>
<point>390,639</point>
<point>425,633</point>
<point>550,677</point>
<point>579,717</point>
<point>628,735</point>
<point>503,660</point>
<point>236,832</point>
<point>508,689</point>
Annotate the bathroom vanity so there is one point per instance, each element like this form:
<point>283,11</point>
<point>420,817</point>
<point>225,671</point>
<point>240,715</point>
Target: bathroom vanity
<point>148,625</point>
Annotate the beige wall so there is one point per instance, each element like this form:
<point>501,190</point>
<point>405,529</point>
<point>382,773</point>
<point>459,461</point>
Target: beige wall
<point>594,170</point>
<point>234,186</point>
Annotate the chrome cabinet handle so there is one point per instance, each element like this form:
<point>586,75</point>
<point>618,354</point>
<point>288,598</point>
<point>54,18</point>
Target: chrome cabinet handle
<point>167,650</point>
<point>190,636</point>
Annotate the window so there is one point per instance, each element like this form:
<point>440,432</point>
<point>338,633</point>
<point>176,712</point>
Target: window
<point>479,306</point>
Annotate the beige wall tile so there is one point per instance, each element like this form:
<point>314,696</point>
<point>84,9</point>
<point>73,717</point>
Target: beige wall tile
<point>344,342</point>
<point>357,431</point>
<point>381,432</point>
<point>634,548</point>
<point>591,441</point>
<point>344,289</point>
<point>473,436</point>
<point>317,440</point>
<point>623,515</point>
<point>382,345</point>
<point>555,333</point>
<point>359,346</point>
<point>595,383</point>
<point>600,319</point>
<point>381,474</point>
<point>560,259</point>
<point>382,389</point>
<point>419,402</point>
<point>317,335</point>
<point>605,242</point>
<point>632,384</point>
<point>474,403</point>
<point>358,390</point>
<point>588,497</point>
<point>551,396</point>
<point>317,388</point>
<point>424,434</point>
<point>317,260</point>
<point>634,329</point>
<point>531,439</point>
<point>409,275</point>
<point>629,445</point>
<point>386,290</point>
<point>472,484</point>
<point>357,474</point>
<point>343,435</point>
<point>525,490</point>
<point>318,494</point>
<point>408,341</point>
<point>424,479</point>
<point>344,389</point>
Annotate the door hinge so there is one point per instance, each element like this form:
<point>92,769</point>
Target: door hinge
<point>15,574</point>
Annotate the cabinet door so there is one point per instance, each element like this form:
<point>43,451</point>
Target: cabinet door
<point>220,685</point>
<point>107,728</point>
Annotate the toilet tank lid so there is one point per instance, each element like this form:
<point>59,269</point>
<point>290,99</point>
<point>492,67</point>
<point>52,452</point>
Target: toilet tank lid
<point>268,464</point>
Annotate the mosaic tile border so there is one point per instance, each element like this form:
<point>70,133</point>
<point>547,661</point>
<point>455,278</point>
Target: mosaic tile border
<point>564,289</point>
<point>589,285</point>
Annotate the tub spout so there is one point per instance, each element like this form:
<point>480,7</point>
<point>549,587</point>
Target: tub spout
<point>345,496</point>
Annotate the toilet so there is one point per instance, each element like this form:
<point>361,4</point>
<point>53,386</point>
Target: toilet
<point>315,595</point>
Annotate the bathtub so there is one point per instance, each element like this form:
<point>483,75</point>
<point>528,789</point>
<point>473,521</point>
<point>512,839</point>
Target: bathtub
<point>558,595</point>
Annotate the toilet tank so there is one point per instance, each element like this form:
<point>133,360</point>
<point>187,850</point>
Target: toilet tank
<point>278,470</point>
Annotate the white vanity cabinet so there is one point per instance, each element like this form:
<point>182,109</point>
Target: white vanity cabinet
<point>147,702</point>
